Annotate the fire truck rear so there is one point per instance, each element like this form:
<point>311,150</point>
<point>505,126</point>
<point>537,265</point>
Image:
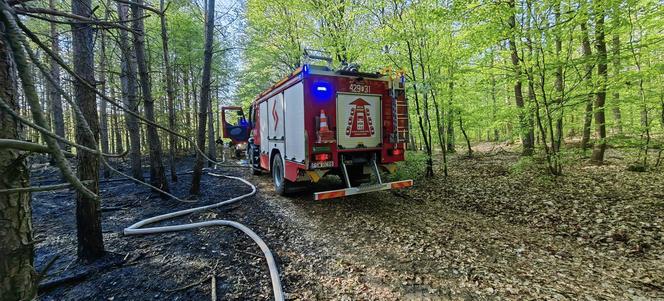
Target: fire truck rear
<point>317,122</point>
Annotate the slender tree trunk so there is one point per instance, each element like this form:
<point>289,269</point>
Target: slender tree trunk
<point>88,210</point>
<point>661,100</point>
<point>494,103</point>
<point>55,99</point>
<point>103,114</point>
<point>525,129</point>
<point>187,100</point>
<point>588,114</point>
<point>128,82</point>
<point>450,117</point>
<point>560,91</point>
<point>439,124</point>
<point>465,136</point>
<point>194,99</point>
<point>157,175</point>
<point>600,99</point>
<point>427,145</point>
<point>205,99</point>
<point>617,126</point>
<point>17,275</point>
<point>116,124</point>
<point>212,150</point>
<point>441,134</point>
<point>170,93</point>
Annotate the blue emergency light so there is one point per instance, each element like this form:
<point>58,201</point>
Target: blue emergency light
<point>322,90</point>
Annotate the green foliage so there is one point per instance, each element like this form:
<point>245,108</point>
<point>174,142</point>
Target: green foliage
<point>524,163</point>
<point>411,168</point>
<point>465,43</point>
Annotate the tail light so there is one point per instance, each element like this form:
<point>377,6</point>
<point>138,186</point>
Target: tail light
<point>396,152</point>
<point>322,157</point>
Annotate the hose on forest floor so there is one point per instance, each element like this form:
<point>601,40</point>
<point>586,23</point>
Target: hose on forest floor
<point>136,229</point>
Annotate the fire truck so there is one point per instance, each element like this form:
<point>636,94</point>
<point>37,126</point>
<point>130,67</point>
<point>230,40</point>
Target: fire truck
<point>318,121</point>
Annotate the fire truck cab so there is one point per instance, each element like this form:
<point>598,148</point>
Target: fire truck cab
<point>318,121</point>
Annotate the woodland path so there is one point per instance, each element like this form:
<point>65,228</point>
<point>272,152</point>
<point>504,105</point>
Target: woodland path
<point>474,236</point>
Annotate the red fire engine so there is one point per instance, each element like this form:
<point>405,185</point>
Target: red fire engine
<point>317,121</point>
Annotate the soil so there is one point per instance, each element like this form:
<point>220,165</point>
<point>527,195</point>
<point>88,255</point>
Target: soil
<point>492,229</point>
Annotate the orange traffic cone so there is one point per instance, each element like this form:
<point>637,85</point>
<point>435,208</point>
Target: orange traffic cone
<point>324,133</point>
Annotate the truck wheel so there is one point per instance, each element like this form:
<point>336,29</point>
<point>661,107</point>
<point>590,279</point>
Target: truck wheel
<point>281,184</point>
<point>250,155</point>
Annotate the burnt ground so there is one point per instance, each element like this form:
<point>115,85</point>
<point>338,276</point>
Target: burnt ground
<point>497,228</point>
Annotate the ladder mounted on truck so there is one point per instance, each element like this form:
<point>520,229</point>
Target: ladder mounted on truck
<point>399,112</point>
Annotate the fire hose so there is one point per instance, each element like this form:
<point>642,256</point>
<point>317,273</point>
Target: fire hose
<point>136,229</point>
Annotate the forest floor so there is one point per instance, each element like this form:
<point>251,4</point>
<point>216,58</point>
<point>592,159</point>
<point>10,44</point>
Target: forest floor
<point>496,228</point>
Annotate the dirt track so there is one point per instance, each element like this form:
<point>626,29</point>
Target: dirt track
<point>471,236</point>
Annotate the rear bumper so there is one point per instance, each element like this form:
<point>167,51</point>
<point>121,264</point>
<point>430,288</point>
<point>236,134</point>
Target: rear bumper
<point>331,194</point>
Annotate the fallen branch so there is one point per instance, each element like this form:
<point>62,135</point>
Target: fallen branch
<point>40,188</point>
<point>78,277</point>
<point>49,264</point>
<point>188,285</point>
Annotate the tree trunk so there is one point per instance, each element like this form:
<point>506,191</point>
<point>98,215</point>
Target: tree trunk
<point>661,100</point>
<point>465,136</point>
<point>88,211</point>
<point>117,132</point>
<point>600,99</point>
<point>128,82</point>
<point>441,134</point>
<point>420,122</point>
<point>205,99</point>
<point>494,104</point>
<point>588,114</point>
<point>17,275</point>
<point>616,91</point>
<point>557,140</point>
<point>450,118</point>
<point>170,94</point>
<point>525,129</point>
<point>157,175</point>
<point>103,114</point>
<point>187,101</point>
<point>55,99</point>
<point>212,150</point>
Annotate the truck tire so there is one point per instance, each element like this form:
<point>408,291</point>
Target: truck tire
<point>252,160</point>
<point>281,184</point>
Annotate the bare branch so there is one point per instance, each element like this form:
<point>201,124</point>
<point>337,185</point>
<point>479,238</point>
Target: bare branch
<point>147,7</point>
<point>13,38</point>
<point>40,188</point>
<point>31,11</point>
<point>55,57</point>
<point>29,146</point>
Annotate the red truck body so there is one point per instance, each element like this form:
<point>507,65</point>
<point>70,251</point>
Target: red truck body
<point>317,121</point>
